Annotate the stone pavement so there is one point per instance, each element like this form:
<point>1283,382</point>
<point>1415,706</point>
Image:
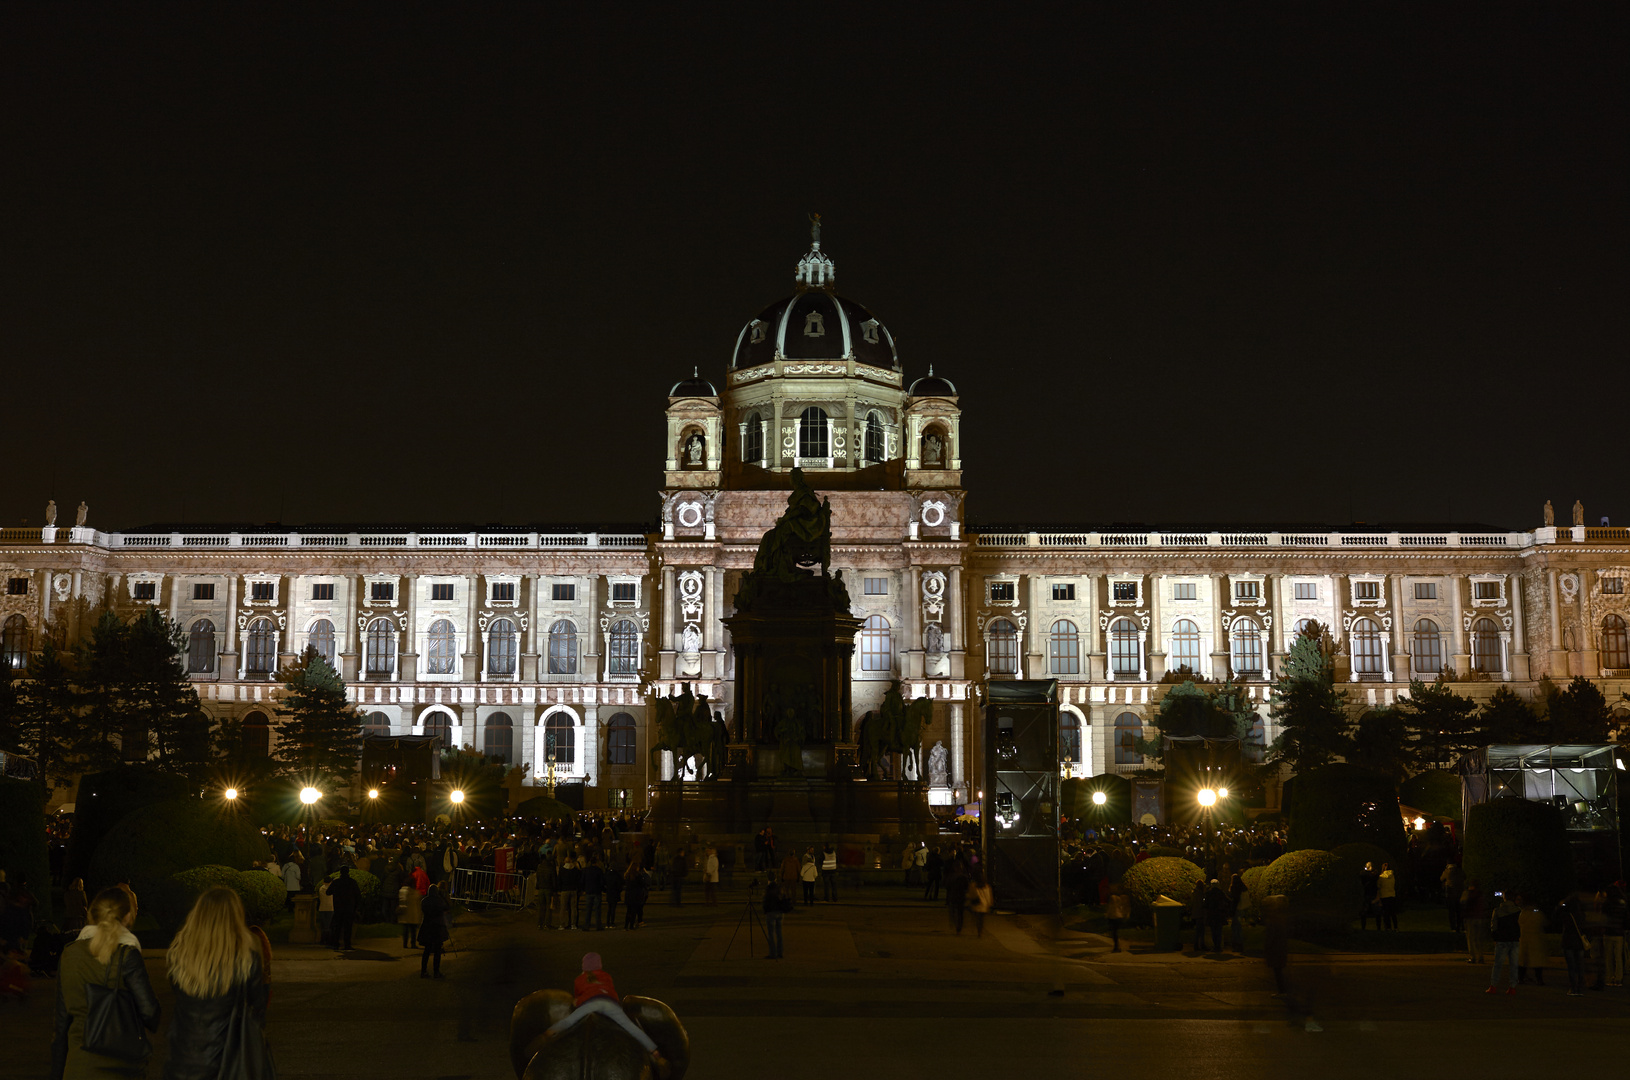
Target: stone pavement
<point>882,980</point>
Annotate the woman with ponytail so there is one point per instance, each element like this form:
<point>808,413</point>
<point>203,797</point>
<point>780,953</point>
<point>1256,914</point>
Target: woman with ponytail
<point>102,957</point>
<point>219,977</point>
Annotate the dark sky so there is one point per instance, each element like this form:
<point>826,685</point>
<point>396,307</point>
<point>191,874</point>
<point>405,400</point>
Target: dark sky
<point>1314,262</point>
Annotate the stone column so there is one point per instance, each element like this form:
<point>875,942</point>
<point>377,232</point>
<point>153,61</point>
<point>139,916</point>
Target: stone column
<point>669,610</point>
<point>1092,636</point>
<point>407,652</point>
<point>957,646</point>
<point>1157,627</point>
<point>958,754</point>
<point>1276,636</point>
<point>1036,635</point>
<point>1219,628</point>
<point>227,665</point>
<point>710,613</point>
<point>1461,660</point>
<point>1335,624</point>
<point>1559,655</point>
<point>1519,633</point>
<point>1400,633</point>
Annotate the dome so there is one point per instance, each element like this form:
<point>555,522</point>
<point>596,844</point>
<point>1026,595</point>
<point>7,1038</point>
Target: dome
<point>695,386</point>
<point>815,323</point>
<point>931,385</point>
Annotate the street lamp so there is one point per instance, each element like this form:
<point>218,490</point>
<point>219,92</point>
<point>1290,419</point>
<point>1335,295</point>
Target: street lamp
<point>373,793</point>
<point>456,795</point>
<point>230,793</point>
<point>1208,798</point>
<point>1222,793</point>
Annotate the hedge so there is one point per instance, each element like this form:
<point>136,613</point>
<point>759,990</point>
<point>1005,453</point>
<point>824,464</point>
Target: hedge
<point>1317,884</point>
<point>1519,846</point>
<point>22,842</point>
<point>1174,878</point>
<point>1344,804</point>
<point>103,800</point>
<point>1437,791</point>
<point>151,844</point>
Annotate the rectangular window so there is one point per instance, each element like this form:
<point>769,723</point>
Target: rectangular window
<point>1064,592</point>
<point>144,590</point>
<point>504,591</point>
<point>877,586</point>
<point>441,592</point>
<point>1366,590</point>
<point>322,590</point>
<point>263,590</point>
<point>203,592</point>
<point>1248,590</point>
<point>1485,590</point>
<point>1125,590</point>
<point>1426,590</point>
<point>1307,590</point>
<point>382,590</point>
<point>625,591</point>
<point>1001,592</point>
<point>1183,590</point>
<point>17,586</point>
<point>563,591</point>
<point>1613,586</point>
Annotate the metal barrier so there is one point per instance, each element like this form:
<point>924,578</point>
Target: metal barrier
<point>499,889</point>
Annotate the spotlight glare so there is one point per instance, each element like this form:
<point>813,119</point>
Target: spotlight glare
<point>309,795</point>
<point>1207,797</point>
<point>456,795</point>
<point>1222,793</point>
<point>1099,798</point>
<point>230,793</point>
<point>373,793</point>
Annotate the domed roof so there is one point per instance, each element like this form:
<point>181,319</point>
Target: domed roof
<point>815,323</point>
<point>695,386</point>
<point>931,385</point>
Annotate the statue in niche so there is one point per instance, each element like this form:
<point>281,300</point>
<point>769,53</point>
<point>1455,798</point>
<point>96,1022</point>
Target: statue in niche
<point>1550,514</point>
<point>695,450</point>
<point>939,768</point>
<point>933,639</point>
<point>692,638</point>
<point>51,514</point>
<point>1578,512</point>
<point>79,518</point>
<point>933,449</point>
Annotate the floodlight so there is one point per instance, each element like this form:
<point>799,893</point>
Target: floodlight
<point>1207,797</point>
<point>309,795</point>
<point>1099,798</point>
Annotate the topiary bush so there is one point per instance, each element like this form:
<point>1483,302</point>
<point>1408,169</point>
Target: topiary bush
<point>1317,884</point>
<point>22,842</point>
<point>1151,878</point>
<point>366,882</point>
<point>1344,804</point>
<point>1164,851</point>
<point>1252,876</point>
<point>102,801</point>
<point>1519,847</point>
<point>262,894</point>
<point>1437,791</point>
<point>151,844</point>
<point>170,901</point>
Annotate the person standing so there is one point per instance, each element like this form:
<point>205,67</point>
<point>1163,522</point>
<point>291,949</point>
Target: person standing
<point>829,874</point>
<point>1530,942</point>
<point>346,897</point>
<point>676,882</point>
<point>710,877</point>
<point>1573,943</point>
<point>107,955</point>
<point>1474,915</point>
<point>325,912</point>
<point>1236,929</point>
<point>981,902</point>
<point>614,892</point>
<point>956,894</point>
<point>1197,912</point>
<point>1454,885</point>
<point>1614,913</point>
<point>1216,909</point>
<point>74,904</point>
<point>1386,892</point>
<point>791,873</point>
<point>410,913</point>
<point>547,880</point>
<point>291,879</point>
<point>1369,887</point>
<point>1505,928</point>
<point>934,868</point>
<point>434,933</point>
<point>594,887</point>
<point>774,908</point>
<point>567,888</point>
<point>216,966</point>
<point>807,873</point>
<point>639,888</point>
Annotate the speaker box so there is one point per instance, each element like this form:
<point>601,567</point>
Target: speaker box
<point>1019,814</point>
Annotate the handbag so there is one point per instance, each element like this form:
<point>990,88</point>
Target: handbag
<point>246,1055</point>
<point>113,1025</point>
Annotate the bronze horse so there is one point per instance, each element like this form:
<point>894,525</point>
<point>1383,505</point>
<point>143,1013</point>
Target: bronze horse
<point>595,1048</point>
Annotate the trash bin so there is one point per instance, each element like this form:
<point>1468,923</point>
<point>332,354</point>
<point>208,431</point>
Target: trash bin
<point>1168,924</point>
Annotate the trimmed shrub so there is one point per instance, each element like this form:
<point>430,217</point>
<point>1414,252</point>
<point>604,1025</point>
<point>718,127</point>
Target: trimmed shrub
<point>1317,883</point>
<point>1163,851</point>
<point>366,882</point>
<point>1151,878</point>
<point>1437,791</point>
<point>1519,847</point>
<point>104,799</point>
<point>22,842</point>
<point>151,844</point>
<point>261,893</point>
<point>1252,876</point>
<point>1343,804</point>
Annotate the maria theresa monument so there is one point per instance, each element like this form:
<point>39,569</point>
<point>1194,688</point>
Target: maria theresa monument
<point>530,642</point>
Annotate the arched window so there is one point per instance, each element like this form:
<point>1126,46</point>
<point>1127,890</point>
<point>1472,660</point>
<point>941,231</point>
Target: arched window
<point>875,447</point>
<point>437,722</point>
<point>1185,647</point>
<point>620,739</point>
<point>1615,643</point>
<point>560,738</point>
<point>257,736</point>
<point>812,441</point>
<point>381,649</point>
<point>1125,647</point>
<point>563,648</point>
<point>1366,650</point>
<point>260,648</point>
<point>441,648</point>
<point>1069,738</point>
<point>376,723</point>
<point>14,642</point>
<point>1245,647</point>
<point>1256,747</point>
<point>1064,649</point>
<point>501,647</point>
<point>1128,730</point>
<point>1002,645</point>
<point>752,443</point>
<point>1486,646</point>
<point>321,638</point>
<point>1426,648</point>
<point>625,649</point>
<point>201,647</point>
<point>876,645</point>
<point>498,737</point>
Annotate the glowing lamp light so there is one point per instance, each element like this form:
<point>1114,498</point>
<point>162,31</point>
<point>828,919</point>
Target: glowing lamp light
<point>1099,798</point>
<point>230,793</point>
<point>1222,793</point>
<point>1208,797</point>
<point>309,795</point>
<point>456,795</point>
<point>1420,824</point>
<point>373,793</point>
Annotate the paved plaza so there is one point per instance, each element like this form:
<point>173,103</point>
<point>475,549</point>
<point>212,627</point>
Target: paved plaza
<point>880,980</point>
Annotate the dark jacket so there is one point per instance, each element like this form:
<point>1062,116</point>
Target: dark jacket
<point>345,893</point>
<point>594,879</point>
<point>80,969</point>
<point>772,898</point>
<point>198,1033</point>
<point>434,929</point>
<point>639,888</point>
<point>570,880</point>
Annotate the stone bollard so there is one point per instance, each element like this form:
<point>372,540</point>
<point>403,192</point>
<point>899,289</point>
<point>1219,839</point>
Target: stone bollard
<point>304,931</point>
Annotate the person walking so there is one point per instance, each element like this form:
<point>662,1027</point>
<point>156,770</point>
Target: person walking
<point>216,968</point>
<point>346,897</point>
<point>934,868</point>
<point>434,933</point>
<point>807,873</point>
<point>1117,909</point>
<point>1454,885</point>
<point>774,908</point>
<point>109,957</point>
<point>1505,929</point>
<point>410,913</point>
<point>981,901</point>
<point>829,873</point>
<point>710,877</point>
<point>956,894</point>
<point>1386,894</point>
<point>1531,942</point>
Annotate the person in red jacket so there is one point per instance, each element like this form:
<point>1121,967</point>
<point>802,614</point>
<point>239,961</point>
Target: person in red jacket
<point>594,992</point>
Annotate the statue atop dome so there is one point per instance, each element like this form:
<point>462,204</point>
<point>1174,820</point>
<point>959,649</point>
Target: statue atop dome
<point>815,231</point>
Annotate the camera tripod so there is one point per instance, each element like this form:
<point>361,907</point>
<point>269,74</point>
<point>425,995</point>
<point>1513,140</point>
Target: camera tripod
<point>750,919</point>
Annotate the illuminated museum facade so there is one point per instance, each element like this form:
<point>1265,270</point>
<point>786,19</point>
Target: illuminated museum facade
<point>528,640</point>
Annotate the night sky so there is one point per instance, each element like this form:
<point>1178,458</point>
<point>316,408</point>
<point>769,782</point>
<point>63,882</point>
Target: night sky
<point>1307,263</point>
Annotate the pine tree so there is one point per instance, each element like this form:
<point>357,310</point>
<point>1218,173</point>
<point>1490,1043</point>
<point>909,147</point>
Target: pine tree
<point>158,701</point>
<point>47,717</point>
<point>1509,720</point>
<point>1382,744</point>
<point>1579,714</point>
<point>98,736</point>
<point>1310,712</point>
<point>320,732</point>
<point>1445,725</point>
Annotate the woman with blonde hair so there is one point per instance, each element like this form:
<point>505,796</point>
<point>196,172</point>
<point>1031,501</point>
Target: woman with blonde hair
<point>220,993</point>
<point>105,958</point>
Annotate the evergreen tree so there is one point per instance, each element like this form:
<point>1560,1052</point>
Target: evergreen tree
<point>46,717</point>
<point>98,736</point>
<point>1579,714</point>
<point>1509,720</point>
<point>320,732</point>
<point>1310,712</point>
<point>157,699</point>
<point>1382,744</point>
<point>1445,724</point>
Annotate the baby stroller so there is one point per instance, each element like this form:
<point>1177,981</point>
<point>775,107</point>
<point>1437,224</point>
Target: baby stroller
<point>47,953</point>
